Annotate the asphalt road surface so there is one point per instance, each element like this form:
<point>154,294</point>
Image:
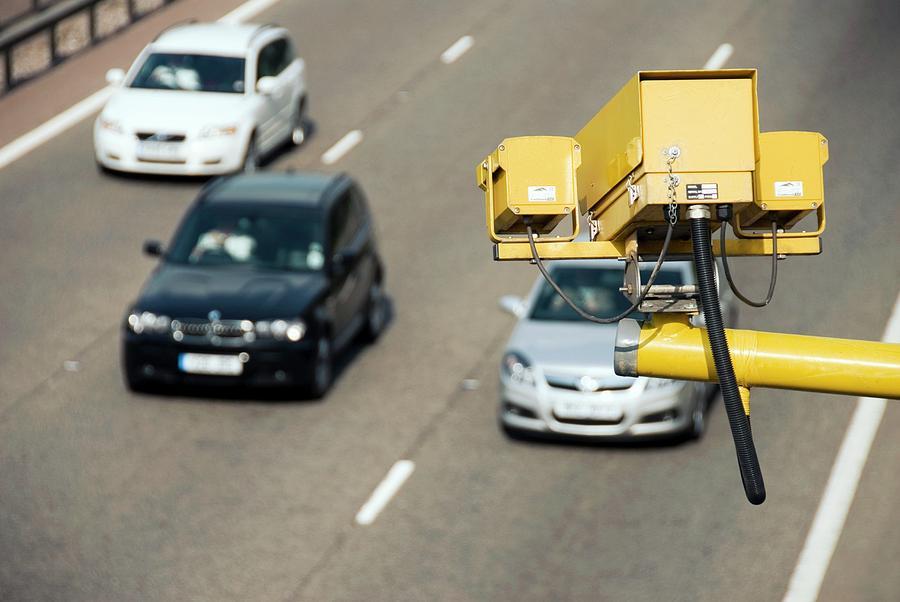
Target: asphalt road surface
<point>106,495</point>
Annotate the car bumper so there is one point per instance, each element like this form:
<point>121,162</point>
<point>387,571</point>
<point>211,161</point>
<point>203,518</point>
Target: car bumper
<point>273,364</point>
<point>633,414</point>
<point>211,156</point>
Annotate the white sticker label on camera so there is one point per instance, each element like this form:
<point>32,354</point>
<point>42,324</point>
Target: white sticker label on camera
<point>792,188</point>
<point>542,194</point>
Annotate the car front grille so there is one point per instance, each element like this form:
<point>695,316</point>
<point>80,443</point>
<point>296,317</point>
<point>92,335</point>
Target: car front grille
<point>587,421</point>
<point>160,137</point>
<point>203,328</point>
<point>574,383</point>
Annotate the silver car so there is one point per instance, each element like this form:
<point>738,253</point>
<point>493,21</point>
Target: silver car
<point>556,375</point>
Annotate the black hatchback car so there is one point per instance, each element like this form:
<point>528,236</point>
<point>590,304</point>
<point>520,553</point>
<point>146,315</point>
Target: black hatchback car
<point>267,278</point>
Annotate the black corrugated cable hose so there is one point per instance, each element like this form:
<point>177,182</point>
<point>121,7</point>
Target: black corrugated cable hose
<point>751,475</point>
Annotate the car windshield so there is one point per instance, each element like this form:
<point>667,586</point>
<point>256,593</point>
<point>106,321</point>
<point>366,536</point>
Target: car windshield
<point>265,237</point>
<point>594,290</point>
<point>192,72</point>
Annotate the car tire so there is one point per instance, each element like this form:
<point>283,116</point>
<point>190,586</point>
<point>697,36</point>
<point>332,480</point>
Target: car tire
<point>298,125</point>
<point>376,313</point>
<point>323,369</point>
<point>251,157</point>
<point>697,425</point>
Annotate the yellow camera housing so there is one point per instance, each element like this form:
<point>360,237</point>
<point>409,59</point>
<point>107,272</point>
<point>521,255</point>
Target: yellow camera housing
<point>702,124</point>
<point>534,177</point>
<point>788,184</point>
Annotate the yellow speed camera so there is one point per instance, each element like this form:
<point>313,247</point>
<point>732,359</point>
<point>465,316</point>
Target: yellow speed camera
<point>691,136</point>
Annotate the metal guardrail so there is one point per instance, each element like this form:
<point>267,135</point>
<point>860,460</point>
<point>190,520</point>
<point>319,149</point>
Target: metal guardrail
<point>47,20</point>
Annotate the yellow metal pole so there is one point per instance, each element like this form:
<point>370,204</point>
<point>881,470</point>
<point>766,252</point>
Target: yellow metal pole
<point>670,347</point>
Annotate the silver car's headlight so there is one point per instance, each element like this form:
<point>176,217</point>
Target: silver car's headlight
<point>211,131</point>
<point>517,368</point>
<point>148,322</point>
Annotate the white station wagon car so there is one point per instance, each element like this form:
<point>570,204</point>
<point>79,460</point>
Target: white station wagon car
<point>557,377</point>
<point>203,99</point>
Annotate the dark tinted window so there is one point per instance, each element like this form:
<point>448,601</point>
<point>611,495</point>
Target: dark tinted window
<point>594,290</point>
<point>274,58</point>
<point>192,72</point>
<point>268,237</point>
<point>349,216</point>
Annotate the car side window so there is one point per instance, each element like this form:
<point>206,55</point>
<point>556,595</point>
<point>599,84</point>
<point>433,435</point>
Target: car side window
<point>272,58</point>
<point>287,55</point>
<point>340,213</point>
<point>348,218</point>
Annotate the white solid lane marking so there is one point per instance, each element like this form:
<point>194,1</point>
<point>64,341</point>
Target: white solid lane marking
<point>93,103</point>
<point>247,10</point>
<point>458,49</point>
<point>386,490</point>
<point>53,127</point>
<point>342,147</point>
<point>719,57</point>
<point>841,488</point>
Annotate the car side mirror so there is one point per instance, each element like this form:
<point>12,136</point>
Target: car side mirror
<point>115,77</point>
<point>513,304</point>
<point>266,85</point>
<point>153,248</point>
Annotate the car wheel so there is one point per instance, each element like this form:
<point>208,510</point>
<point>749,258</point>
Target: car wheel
<point>251,157</point>
<point>298,125</point>
<point>376,313</point>
<point>697,426</point>
<point>323,369</point>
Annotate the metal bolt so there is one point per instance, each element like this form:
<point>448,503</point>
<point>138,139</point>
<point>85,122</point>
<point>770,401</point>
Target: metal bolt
<point>484,165</point>
<point>674,152</point>
<point>764,206</point>
<point>813,205</point>
<point>502,147</point>
<point>515,209</point>
<point>577,147</point>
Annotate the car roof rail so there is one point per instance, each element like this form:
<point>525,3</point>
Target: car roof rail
<point>190,21</point>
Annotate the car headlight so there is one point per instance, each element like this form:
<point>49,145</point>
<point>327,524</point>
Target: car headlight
<point>112,125</point>
<point>148,322</point>
<point>211,131</point>
<point>281,330</point>
<point>517,368</point>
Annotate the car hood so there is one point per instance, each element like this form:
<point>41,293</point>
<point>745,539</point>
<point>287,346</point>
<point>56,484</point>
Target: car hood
<point>566,346</point>
<point>238,294</point>
<point>175,111</point>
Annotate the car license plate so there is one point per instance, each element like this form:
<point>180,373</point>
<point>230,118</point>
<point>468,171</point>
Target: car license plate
<point>160,151</point>
<point>207,363</point>
<point>575,410</point>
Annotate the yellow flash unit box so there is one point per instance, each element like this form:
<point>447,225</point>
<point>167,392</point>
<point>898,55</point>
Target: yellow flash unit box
<point>788,183</point>
<point>533,178</point>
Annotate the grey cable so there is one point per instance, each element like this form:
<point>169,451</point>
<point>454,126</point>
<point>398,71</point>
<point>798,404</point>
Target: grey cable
<point>581,312</point>
<point>772,279</point>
